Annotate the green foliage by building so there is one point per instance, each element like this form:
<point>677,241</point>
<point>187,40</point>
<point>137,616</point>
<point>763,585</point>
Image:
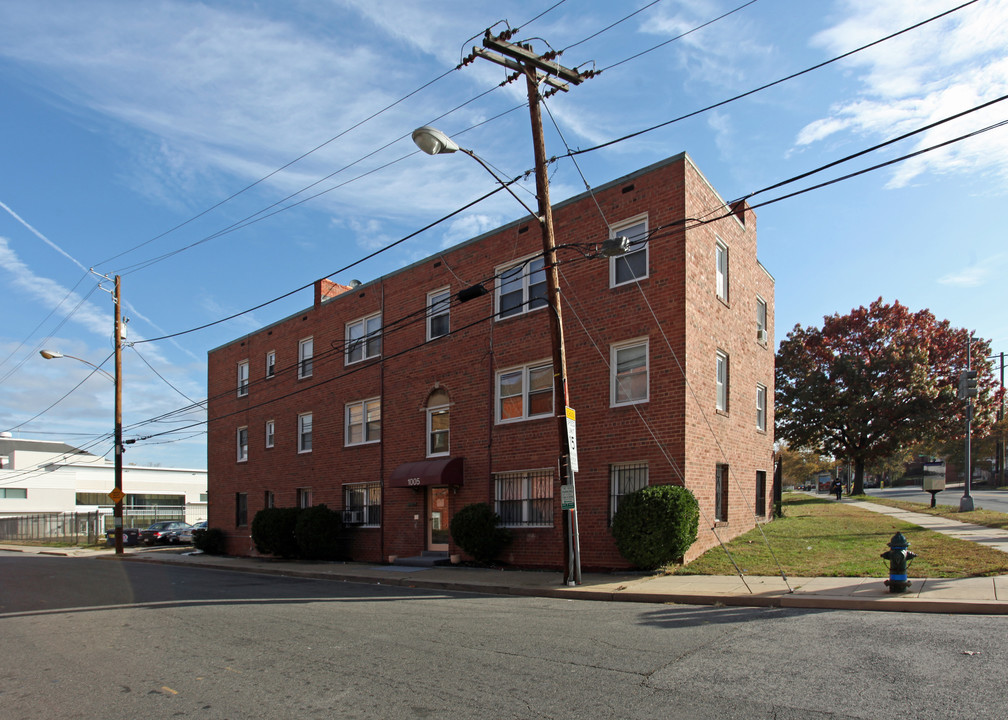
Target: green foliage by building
<point>319,534</point>
<point>209,540</point>
<point>475,529</point>
<point>656,525</point>
<point>273,531</point>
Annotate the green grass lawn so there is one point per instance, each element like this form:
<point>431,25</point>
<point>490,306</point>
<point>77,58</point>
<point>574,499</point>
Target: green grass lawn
<point>824,538</point>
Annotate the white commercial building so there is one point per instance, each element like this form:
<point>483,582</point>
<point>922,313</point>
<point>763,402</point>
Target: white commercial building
<point>38,476</point>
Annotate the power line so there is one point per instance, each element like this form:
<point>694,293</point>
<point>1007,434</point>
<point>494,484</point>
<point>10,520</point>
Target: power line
<point>343,269</point>
<point>772,84</point>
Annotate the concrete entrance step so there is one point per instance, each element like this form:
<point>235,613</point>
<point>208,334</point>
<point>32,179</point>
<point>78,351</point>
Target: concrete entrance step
<point>428,558</point>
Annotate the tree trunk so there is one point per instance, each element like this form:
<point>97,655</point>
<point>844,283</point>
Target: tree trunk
<point>858,488</point>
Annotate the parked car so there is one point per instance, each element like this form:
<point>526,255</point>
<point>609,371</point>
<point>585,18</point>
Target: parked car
<point>164,532</point>
<point>185,536</point>
<point>131,536</point>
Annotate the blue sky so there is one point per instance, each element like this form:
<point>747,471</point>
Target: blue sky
<point>123,127</point>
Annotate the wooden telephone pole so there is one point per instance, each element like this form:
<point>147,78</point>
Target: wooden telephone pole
<point>542,69</point>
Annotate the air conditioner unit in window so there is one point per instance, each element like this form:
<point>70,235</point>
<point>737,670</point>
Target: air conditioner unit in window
<point>353,517</point>
<point>761,336</point>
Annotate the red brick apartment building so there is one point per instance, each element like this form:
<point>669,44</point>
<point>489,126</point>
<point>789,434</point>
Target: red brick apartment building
<point>400,402</point>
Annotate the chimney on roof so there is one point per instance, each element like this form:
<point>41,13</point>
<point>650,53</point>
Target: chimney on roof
<point>327,290</point>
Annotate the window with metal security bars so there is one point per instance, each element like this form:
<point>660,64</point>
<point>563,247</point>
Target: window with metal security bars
<point>625,478</point>
<point>241,509</point>
<point>363,498</point>
<point>721,493</point>
<point>524,498</point>
<point>760,493</point>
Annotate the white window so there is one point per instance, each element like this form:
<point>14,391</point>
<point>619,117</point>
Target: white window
<point>304,497</point>
<point>722,382</point>
<point>363,422</point>
<point>721,269</point>
<point>270,432</point>
<point>306,350</point>
<point>761,326</point>
<point>525,392</point>
<point>438,424</point>
<point>760,407</point>
<point>242,440</point>
<point>270,363</point>
<point>363,501</point>
<point>521,287</point>
<point>628,370</point>
<point>243,378</point>
<point>363,338</point>
<point>721,493</point>
<point>625,478</point>
<point>438,309</point>
<point>304,432</point>
<point>524,498</point>
<point>634,265</point>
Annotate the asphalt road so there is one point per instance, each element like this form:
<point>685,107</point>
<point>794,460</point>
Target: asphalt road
<point>996,500</point>
<point>88,638</point>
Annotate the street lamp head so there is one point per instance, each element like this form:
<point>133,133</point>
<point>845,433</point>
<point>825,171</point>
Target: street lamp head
<point>432,141</point>
<point>614,247</point>
<point>50,354</point>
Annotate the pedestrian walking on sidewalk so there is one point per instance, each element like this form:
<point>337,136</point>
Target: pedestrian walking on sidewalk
<point>837,488</point>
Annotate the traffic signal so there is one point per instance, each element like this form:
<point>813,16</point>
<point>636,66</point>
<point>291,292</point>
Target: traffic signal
<point>967,384</point>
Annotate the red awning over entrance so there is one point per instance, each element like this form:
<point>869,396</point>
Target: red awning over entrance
<point>439,471</point>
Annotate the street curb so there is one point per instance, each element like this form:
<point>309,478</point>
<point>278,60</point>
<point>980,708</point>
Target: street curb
<point>886,603</point>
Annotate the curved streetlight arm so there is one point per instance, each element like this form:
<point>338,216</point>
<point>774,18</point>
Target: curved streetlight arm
<point>55,355</point>
<point>434,142</point>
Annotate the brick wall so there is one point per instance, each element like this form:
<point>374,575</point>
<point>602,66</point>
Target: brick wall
<point>673,432</point>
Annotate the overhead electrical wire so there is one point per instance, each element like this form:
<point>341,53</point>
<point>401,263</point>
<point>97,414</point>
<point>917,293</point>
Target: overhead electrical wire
<point>626,138</point>
<point>632,135</point>
<point>766,86</point>
<point>315,149</point>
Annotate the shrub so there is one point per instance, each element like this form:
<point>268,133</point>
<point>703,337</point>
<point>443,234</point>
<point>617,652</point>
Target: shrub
<point>319,533</point>
<point>273,531</point>
<point>475,529</point>
<point>656,525</point>
<point>209,540</point>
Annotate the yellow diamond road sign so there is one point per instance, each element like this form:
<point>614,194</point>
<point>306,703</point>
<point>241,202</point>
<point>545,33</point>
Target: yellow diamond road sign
<point>117,495</point>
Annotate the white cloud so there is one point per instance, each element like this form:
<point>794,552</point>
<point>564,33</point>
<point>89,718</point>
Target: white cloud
<point>977,274</point>
<point>923,76</point>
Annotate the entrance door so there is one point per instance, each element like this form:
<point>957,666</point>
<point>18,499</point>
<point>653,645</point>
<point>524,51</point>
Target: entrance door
<point>437,519</point>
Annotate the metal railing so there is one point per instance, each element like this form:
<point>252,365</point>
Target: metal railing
<point>75,528</point>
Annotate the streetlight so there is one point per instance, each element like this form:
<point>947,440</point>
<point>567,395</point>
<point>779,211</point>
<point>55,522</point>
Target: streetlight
<point>117,493</point>
<point>56,354</point>
<point>434,142</point>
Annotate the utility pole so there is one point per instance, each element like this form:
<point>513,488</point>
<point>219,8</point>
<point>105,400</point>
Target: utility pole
<point>967,389</point>
<point>536,69</point>
<point>1001,440</point>
<point>118,512</point>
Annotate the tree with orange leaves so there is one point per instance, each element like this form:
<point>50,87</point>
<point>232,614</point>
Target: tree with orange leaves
<point>876,380</point>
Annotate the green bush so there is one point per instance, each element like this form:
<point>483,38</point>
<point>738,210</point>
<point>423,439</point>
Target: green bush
<point>273,531</point>
<point>319,533</point>
<point>209,540</point>
<point>475,529</point>
<point>656,525</point>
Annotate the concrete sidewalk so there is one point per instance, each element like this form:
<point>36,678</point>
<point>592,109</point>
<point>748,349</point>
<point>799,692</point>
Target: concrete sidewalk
<point>987,595</point>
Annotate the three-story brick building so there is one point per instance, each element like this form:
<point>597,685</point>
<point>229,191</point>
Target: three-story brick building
<point>404,399</point>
